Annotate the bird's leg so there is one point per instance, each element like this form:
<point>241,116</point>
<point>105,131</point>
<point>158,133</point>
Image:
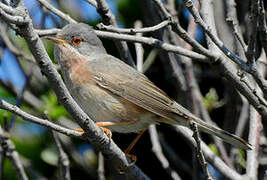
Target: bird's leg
<point>130,147</point>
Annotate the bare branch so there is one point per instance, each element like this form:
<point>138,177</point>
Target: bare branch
<point>12,19</point>
<point>209,155</point>
<point>8,149</point>
<point>92,2</point>
<point>133,30</point>
<point>153,42</point>
<point>57,12</point>
<point>234,23</point>
<point>176,27</point>
<point>109,19</point>
<point>255,128</point>
<point>7,9</point>
<point>139,49</point>
<point>17,52</point>
<point>263,26</point>
<point>250,69</point>
<point>156,148</point>
<point>47,32</point>
<point>63,159</point>
<point>200,155</point>
<point>14,109</point>
<point>101,168</point>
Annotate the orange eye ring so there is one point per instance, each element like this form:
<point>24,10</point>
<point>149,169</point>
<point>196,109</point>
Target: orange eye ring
<point>76,41</point>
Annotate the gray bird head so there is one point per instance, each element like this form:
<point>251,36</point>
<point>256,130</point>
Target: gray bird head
<point>79,38</point>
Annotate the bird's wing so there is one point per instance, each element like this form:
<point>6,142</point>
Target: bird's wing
<point>122,80</point>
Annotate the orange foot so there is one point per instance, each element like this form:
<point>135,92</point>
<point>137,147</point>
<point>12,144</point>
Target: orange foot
<point>132,158</point>
<point>106,131</point>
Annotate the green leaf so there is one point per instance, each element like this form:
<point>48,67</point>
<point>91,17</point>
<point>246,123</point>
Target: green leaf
<point>211,100</point>
<point>214,149</point>
<point>241,158</point>
<point>51,106</point>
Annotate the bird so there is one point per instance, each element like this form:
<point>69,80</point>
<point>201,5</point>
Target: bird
<point>116,96</point>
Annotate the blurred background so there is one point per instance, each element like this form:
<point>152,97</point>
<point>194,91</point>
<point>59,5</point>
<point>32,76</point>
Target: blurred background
<point>22,83</point>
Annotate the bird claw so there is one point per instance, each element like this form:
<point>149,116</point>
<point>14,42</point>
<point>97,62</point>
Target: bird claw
<point>133,161</point>
<point>107,132</point>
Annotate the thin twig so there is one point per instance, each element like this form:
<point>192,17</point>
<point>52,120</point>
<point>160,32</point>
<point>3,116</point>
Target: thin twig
<point>263,26</point>
<point>63,159</point>
<point>139,49</point>
<point>153,42</point>
<point>109,19</point>
<point>101,167</point>
<point>9,150</point>
<point>250,69</point>
<point>135,30</point>
<point>150,59</point>
<point>56,11</point>
<point>92,2</point>
<point>19,101</point>
<point>14,109</point>
<point>251,50</point>
<point>231,18</point>
<point>209,155</point>
<point>200,154</point>
<point>15,50</point>
<point>156,148</point>
<point>2,160</point>
<point>176,27</point>
<point>190,6</point>
<point>255,128</point>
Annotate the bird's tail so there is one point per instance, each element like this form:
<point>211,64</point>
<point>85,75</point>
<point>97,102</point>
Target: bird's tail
<point>182,116</point>
<point>224,135</point>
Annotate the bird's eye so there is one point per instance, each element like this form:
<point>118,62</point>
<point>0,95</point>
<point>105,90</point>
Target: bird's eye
<point>76,41</point>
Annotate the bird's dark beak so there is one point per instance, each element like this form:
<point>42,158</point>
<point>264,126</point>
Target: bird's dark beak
<point>56,40</point>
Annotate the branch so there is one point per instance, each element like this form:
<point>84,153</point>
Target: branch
<point>209,155</point>
<point>14,109</point>
<point>11,18</point>
<point>255,128</point>
<point>63,159</point>
<point>133,30</point>
<point>154,42</point>
<point>101,168</point>
<point>15,50</point>
<point>200,155</point>
<point>92,2</point>
<point>231,18</point>
<point>176,27</point>
<point>9,150</point>
<point>56,11</point>
<point>139,49</point>
<point>109,19</point>
<point>263,26</point>
<point>156,148</point>
<point>250,69</point>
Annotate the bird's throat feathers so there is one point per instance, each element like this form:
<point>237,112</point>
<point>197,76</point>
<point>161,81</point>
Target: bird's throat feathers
<point>69,58</point>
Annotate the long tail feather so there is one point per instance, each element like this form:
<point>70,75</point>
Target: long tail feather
<point>226,136</point>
